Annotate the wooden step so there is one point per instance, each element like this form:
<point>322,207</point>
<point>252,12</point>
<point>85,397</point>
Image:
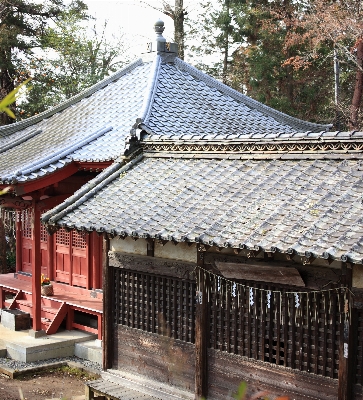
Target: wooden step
<point>23,305</point>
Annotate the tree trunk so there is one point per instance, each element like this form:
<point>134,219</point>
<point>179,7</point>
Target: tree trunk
<point>3,266</point>
<point>179,27</point>
<point>358,89</point>
<point>6,81</point>
<point>226,46</point>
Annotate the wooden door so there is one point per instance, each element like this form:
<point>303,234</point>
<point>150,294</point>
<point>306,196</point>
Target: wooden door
<point>71,258</point>
<point>62,260</point>
<point>80,259</point>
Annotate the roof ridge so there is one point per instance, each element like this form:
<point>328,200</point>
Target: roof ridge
<point>254,104</point>
<point>20,140</point>
<point>88,190</point>
<point>64,152</point>
<point>150,91</point>
<point>12,128</point>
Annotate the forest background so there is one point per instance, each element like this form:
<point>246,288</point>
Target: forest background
<point>304,58</point>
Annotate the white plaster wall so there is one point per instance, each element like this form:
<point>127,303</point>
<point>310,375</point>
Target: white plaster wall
<point>129,245</point>
<point>181,251</point>
<point>357,276</point>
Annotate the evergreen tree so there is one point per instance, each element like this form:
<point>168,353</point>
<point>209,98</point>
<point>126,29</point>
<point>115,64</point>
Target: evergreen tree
<point>252,53</point>
<point>22,27</point>
<point>72,61</point>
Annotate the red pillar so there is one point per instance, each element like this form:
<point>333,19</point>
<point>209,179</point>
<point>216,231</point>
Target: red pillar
<point>95,259</point>
<point>19,242</point>
<point>2,297</point>
<point>50,245</point>
<point>36,295</point>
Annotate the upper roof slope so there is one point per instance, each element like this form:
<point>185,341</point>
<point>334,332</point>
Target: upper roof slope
<point>167,100</point>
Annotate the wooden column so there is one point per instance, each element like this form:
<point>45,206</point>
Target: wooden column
<point>347,341</point>
<point>19,242</point>
<point>107,324</point>
<point>95,260</point>
<point>36,287</point>
<point>150,247</point>
<point>50,244</point>
<point>2,297</point>
<point>201,329</point>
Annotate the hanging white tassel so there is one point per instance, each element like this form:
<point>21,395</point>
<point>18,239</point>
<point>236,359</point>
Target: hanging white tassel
<point>252,302</point>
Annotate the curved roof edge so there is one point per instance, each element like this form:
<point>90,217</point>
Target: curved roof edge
<point>296,123</point>
<point>12,128</point>
<point>88,190</point>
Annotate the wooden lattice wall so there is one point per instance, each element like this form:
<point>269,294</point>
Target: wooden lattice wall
<point>267,323</point>
<point>299,330</point>
<point>155,303</point>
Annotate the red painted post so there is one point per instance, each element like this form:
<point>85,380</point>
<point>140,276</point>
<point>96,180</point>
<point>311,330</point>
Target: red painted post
<point>95,260</point>
<point>50,245</point>
<point>2,297</point>
<point>70,317</point>
<point>36,287</point>
<point>19,242</point>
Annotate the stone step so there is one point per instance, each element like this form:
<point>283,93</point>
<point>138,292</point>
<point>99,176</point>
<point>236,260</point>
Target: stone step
<point>3,352</point>
<point>149,387</point>
<point>90,350</point>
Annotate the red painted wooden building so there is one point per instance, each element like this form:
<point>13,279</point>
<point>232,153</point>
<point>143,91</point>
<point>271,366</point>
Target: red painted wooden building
<point>44,160</point>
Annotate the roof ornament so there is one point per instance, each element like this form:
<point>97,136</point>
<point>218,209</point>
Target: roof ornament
<point>159,29</point>
<point>160,45</point>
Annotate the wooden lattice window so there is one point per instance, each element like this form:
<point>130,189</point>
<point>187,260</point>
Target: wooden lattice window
<point>156,304</point>
<point>26,220</point>
<point>79,239</point>
<point>62,237</point>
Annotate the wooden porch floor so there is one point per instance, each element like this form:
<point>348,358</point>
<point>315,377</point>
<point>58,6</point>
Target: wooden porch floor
<point>73,296</point>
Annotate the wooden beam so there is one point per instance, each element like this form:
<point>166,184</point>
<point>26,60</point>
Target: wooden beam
<point>201,330</point>
<point>14,202</point>
<point>36,260</point>
<point>93,166</point>
<point>262,272</point>
<point>47,180</point>
<point>107,325</point>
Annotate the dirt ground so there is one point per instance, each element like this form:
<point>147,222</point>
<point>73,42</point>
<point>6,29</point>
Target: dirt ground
<point>65,383</point>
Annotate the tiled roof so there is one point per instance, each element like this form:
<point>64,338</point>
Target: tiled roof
<point>189,104</point>
<point>305,206</point>
<point>167,100</point>
<point>91,127</point>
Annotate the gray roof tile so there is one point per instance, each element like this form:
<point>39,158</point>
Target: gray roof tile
<point>171,100</point>
<point>196,200</point>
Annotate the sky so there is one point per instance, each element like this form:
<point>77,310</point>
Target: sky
<point>135,18</point>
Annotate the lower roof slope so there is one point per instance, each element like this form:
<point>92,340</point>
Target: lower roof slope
<point>89,127</point>
<point>305,206</point>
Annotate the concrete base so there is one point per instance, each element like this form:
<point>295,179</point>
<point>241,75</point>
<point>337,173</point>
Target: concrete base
<point>15,320</point>
<point>91,350</point>
<point>3,352</point>
<point>21,346</point>
<point>36,334</point>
